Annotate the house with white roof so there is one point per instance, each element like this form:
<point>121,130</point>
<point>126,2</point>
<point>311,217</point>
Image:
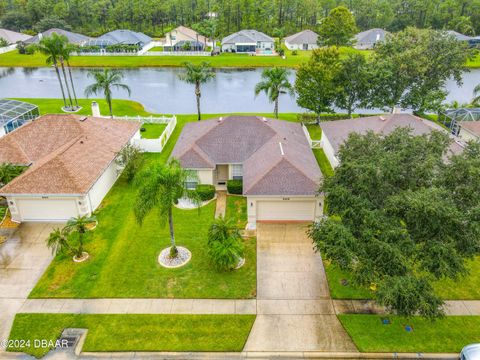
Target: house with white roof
<point>249,42</point>
<point>304,40</point>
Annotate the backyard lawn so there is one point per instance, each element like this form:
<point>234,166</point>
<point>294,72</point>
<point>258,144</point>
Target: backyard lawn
<point>237,209</point>
<point>449,334</point>
<point>13,59</point>
<point>323,162</point>
<point>137,332</point>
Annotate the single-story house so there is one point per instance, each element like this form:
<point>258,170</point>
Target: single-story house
<point>189,45</point>
<point>273,159</point>
<point>249,41</point>
<point>121,37</point>
<point>71,165</point>
<point>73,38</point>
<point>304,40</point>
<point>182,33</point>
<point>335,133</point>
<point>469,130</point>
<point>470,40</point>
<point>13,37</point>
<point>368,39</point>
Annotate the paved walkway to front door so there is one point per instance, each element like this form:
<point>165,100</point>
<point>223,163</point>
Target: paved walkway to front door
<point>221,206</point>
<point>295,312</point>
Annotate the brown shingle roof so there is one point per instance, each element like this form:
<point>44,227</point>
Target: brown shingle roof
<point>338,131</point>
<point>473,126</point>
<point>255,143</point>
<point>67,153</point>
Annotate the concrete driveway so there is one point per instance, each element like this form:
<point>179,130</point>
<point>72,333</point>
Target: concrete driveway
<point>294,309</point>
<point>23,259</point>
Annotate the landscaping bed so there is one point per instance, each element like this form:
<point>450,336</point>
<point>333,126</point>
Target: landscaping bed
<point>132,332</point>
<point>449,334</point>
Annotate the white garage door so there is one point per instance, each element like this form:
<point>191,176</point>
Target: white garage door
<point>286,210</point>
<point>47,209</point>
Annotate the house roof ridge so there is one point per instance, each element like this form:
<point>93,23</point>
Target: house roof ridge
<point>262,175</point>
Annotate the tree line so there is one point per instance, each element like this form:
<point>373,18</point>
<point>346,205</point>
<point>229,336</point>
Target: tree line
<point>155,17</point>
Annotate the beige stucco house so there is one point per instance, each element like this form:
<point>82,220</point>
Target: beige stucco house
<point>303,40</point>
<point>182,34</point>
<point>280,174</point>
<point>71,165</point>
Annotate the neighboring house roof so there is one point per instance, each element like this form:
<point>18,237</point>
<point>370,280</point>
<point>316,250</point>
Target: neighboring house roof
<point>338,131</point>
<point>124,37</point>
<point>246,37</point>
<point>276,156</point>
<point>303,37</point>
<point>72,37</point>
<point>371,36</point>
<point>472,126</point>
<point>67,153</point>
<point>192,34</point>
<point>459,36</point>
<point>13,37</point>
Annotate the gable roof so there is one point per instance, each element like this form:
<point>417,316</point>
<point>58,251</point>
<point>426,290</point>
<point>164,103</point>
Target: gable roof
<point>125,37</point>
<point>472,126</point>
<point>337,132</point>
<point>371,36</point>
<point>12,36</point>
<point>459,36</point>
<point>246,36</point>
<point>303,37</point>
<point>276,156</point>
<point>67,153</point>
<point>192,34</point>
<point>73,38</point>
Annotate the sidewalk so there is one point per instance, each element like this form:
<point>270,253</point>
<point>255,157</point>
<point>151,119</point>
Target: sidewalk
<point>221,204</point>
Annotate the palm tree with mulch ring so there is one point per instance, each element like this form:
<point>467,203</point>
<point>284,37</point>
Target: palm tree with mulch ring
<point>197,75</point>
<point>105,81</point>
<point>161,186</point>
<point>274,82</point>
<point>80,225</point>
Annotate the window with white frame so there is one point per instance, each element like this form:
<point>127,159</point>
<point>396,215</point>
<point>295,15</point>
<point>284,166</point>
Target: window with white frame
<point>237,171</point>
<point>192,180</point>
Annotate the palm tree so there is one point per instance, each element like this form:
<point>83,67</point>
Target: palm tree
<point>79,225</point>
<point>163,186</point>
<point>105,81</point>
<point>197,75</point>
<point>51,47</point>
<point>274,82</point>
<point>66,52</point>
<point>476,94</point>
<point>58,241</point>
<point>8,172</point>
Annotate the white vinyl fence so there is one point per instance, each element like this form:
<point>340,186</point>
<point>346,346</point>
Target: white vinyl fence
<point>314,144</point>
<point>154,145</point>
<point>9,48</point>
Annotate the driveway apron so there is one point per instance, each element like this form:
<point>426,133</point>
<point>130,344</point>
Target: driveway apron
<point>295,312</point>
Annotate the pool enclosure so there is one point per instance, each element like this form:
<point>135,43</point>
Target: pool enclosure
<point>14,113</point>
<point>452,117</point>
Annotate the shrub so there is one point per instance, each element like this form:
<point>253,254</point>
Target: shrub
<point>130,159</point>
<point>225,245</point>
<point>30,49</point>
<point>294,52</point>
<point>205,192</point>
<point>235,187</point>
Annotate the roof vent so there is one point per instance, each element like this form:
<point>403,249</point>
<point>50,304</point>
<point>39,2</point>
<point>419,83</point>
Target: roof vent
<point>264,119</point>
<point>383,118</point>
<point>83,118</point>
<point>220,119</point>
<point>281,148</point>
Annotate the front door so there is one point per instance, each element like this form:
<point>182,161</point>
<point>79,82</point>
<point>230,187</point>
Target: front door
<point>222,174</point>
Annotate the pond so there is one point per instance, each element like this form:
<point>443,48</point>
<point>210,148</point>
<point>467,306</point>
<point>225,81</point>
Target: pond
<point>160,90</point>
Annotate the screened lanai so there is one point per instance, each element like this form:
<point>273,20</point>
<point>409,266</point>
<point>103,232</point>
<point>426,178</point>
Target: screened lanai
<point>453,117</point>
<point>14,113</point>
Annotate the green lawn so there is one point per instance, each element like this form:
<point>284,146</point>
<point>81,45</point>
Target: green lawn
<point>475,62</point>
<point>464,288</point>
<point>237,209</point>
<point>138,332</point>
<point>315,131</point>
<point>323,162</point>
<point>156,48</point>
<point>449,334</point>
<point>3,210</point>
<point>153,131</point>
<point>13,59</point>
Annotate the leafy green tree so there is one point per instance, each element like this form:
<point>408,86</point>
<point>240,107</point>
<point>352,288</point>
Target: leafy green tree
<point>3,42</point>
<point>315,82</point>
<point>51,47</point>
<point>412,67</point>
<point>79,225</point>
<point>131,159</point>
<point>338,28</point>
<point>8,172</point>
<point>273,83</point>
<point>463,25</point>
<point>353,83</point>
<point>397,219</point>
<point>225,244</point>
<point>197,75</point>
<point>51,22</point>
<point>16,20</point>
<point>105,82</point>
<point>161,186</point>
